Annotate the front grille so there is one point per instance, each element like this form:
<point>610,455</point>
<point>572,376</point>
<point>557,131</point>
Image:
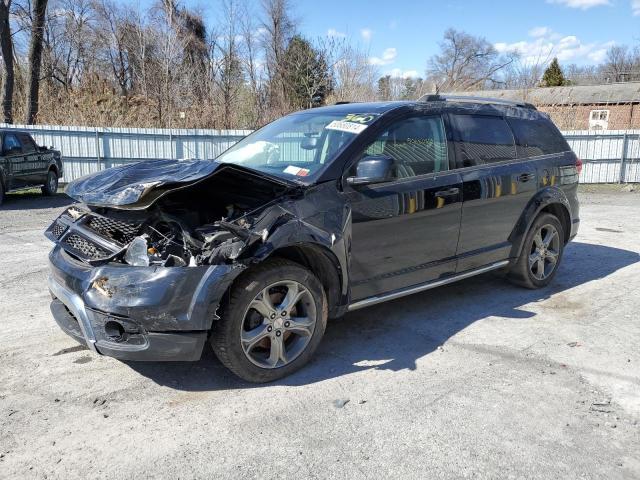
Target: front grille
<point>116,230</point>
<point>58,229</point>
<point>86,248</point>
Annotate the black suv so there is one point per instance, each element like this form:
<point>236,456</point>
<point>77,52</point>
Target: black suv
<point>24,164</point>
<point>316,214</point>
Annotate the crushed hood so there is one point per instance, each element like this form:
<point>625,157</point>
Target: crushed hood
<point>138,185</point>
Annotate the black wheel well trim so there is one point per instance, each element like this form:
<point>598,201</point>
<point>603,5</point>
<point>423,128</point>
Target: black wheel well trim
<point>561,212</point>
<point>53,167</point>
<point>318,259</point>
<point>550,200</point>
<point>323,264</point>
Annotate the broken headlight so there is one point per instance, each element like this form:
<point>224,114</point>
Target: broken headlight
<point>137,253</point>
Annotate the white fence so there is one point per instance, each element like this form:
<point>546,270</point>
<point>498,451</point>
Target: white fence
<point>87,150</point>
<point>608,156</point>
<point>611,156</point>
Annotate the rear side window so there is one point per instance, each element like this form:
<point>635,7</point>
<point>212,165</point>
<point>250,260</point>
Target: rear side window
<point>537,137</point>
<point>482,139</point>
<point>27,143</point>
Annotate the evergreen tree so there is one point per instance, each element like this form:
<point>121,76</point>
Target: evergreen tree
<point>307,75</point>
<point>553,76</point>
<point>384,88</point>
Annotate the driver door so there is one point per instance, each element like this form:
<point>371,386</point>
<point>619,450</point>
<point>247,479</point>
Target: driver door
<point>405,231</point>
<point>12,151</point>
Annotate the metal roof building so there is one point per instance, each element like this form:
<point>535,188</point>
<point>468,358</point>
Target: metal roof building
<point>571,95</point>
<point>580,107</point>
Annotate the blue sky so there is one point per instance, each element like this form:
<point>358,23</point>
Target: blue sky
<point>401,35</point>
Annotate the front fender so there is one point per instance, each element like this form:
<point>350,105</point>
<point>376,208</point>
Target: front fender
<point>547,196</point>
<point>297,233</point>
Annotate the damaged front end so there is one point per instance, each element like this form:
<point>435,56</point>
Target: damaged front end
<point>141,277</point>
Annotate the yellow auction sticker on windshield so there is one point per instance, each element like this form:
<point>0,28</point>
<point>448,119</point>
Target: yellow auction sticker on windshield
<point>349,127</point>
<point>353,122</point>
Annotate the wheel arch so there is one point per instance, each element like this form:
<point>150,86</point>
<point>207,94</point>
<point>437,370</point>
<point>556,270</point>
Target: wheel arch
<point>54,167</point>
<point>323,264</point>
<point>550,200</point>
<point>318,259</point>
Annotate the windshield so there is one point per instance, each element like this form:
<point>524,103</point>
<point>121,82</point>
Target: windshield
<point>298,146</point>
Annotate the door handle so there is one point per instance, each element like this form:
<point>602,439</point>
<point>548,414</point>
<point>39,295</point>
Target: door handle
<point>449,192</point>
<point>525,177</point>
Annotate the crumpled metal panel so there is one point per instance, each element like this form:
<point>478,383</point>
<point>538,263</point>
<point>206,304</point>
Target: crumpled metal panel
<point>127,184</point>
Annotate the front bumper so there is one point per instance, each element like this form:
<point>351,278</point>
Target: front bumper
<point>137,313</point>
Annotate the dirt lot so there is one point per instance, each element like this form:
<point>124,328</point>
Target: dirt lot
<point>479,379</point>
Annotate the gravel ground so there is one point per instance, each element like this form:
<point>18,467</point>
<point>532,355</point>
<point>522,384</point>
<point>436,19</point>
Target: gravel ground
<point>478,379</point>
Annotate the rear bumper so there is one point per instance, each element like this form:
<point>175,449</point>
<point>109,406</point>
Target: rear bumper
<point>138,313</point>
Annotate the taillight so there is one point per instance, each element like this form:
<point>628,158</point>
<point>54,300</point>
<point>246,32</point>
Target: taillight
<point>578,166</point>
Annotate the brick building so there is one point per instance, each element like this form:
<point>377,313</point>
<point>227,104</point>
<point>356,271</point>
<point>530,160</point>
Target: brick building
<point>614,106</point>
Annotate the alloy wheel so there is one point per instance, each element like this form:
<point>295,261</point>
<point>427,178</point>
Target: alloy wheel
<point>545,252</point>
<point>53,182</point>
<point>278,324</point>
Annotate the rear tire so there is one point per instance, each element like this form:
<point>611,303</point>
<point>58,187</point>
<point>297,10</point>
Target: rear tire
<point>272,323</point>
<point>51,184</point>
<point>541,253</point>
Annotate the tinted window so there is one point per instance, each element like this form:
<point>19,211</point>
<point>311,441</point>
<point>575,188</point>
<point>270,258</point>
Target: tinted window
<point>27,144</point>
<point>482,139</point>
<point>537,137</point>
<point>10,141</point>
<point>417,144</point>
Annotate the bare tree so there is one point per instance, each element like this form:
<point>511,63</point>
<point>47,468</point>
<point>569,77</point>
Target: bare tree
<point>466,62</point>
<point>228,75</point>
<point>35,59</point>
<point>6,43</point>
<point>621,64</point>
<point>114,29</point>
<point>279,27</point>
<point>526,73</point>
<point>254,68</point>
<point>354,76</point>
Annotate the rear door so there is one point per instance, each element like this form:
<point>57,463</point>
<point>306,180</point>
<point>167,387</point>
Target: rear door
<point>405,232</point>
<point>496,187</point>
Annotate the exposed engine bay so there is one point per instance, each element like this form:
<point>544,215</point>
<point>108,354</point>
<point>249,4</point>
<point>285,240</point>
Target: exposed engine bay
<point>213,221</point>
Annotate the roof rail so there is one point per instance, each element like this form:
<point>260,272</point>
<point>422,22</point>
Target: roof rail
<point>342,102</point>
<point>470,99</point>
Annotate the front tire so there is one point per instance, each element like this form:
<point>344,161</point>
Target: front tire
<point>541,253</point>
<point>51,184</point>
<point>272,323</point>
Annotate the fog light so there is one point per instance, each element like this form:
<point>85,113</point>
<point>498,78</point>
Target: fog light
<point>137,253</point>
<point>114,330</point>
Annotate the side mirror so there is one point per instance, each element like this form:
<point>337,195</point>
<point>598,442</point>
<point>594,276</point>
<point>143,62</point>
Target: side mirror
<point>309,143</point>
<point>374,169</point>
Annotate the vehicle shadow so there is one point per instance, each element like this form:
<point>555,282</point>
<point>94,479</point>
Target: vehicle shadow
<point>393,335</point>
<point>29,200</point>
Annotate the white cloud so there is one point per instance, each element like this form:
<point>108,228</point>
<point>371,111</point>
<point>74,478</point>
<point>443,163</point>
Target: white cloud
<point>388,56</point>
<point>332,32</point>
<point>635,7</point>
<point>548,44</point>
<point>399,73</point>
<point>366,34</point>
<point>539,32</point>
<point>581,4</point>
